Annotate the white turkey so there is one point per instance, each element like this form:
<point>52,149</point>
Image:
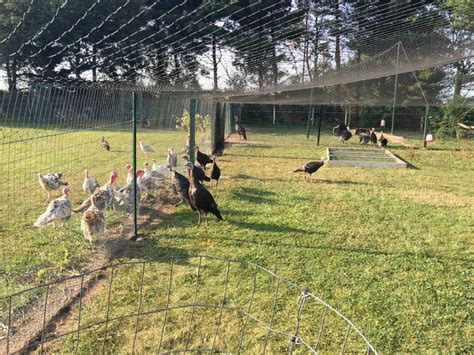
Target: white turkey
<point>147,184</point>
<point>104,196</point>
<point>162,169</point>
<point>129,179</point>
<point>152,173</point>
<point>90,183</point>
<point>146,148</point>
<point>93,222</point>
<point>172,159</point>
<point>57,212</point>
<point>51,182</point>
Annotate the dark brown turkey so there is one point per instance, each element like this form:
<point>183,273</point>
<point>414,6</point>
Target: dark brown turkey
<point>310,167</point>
<point>200,198</point>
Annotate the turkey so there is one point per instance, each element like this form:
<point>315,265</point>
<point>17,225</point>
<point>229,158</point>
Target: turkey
<point>215,172</point>
<point>129,179</point>
<point>124,197</point>
<point>240,129</point>
<point>172,159</point>
<point>147,184</point>
<point>180,185</point>
<point>93,222</point>
<point>198,173</point>
<point>162,169</point>
<point>364,138</point>
<point>90,183</point>
<point>345,136</point>
<point>338,129</point>
<point>104,144</point>
<point>343,132</point>
<point>362,131</point>
<point>363,134</point>
<point>382,141</point>
<point>152,173</point>
<point>104,196</point>
<point>57,212</point>
<point>51,182</point>
<point>145,147</point>
<point>202,159</point>
<point>201,199</point>
<point>310,167</point>
<point>373,136</point>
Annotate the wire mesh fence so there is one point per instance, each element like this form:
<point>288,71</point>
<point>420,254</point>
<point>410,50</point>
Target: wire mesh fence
<point>181,304</point>
<point>50,137</point>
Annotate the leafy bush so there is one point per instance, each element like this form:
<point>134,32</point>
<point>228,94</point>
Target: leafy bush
<point>203,125</point>
<point>445,121</point>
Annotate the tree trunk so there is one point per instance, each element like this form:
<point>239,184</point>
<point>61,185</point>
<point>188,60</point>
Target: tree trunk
<point>94,63</point>
<point>214,63</point>
<point>337,53</point>
<point>458,83</point>
<point>275,67</point>
<point>316,48</point>
<point>12,75</point>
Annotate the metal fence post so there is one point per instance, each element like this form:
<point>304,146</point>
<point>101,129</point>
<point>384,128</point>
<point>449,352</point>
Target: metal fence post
<point>395,89</point>
<point>192,129</point>
<point>321,110</point>
<point>134,149</point>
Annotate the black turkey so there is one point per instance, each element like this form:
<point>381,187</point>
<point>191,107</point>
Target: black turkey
<point>373,136</point>
<point>201,199</point>
<point>198,173</point>
<point>202,159</point>
<point>215,172</point>
<point>240,129</point>
<point>310,167</point>
<point>180,186</point>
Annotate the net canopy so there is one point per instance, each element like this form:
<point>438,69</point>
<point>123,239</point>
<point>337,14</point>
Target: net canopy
<point>249,51</point>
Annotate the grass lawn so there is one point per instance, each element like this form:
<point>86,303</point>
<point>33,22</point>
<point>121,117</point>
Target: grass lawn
<point>390,249</point>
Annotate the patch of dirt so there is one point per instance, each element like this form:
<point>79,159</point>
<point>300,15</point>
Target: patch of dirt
<point>28,328</point>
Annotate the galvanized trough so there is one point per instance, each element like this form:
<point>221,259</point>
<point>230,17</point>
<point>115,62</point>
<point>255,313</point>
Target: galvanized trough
<point>363,157</point>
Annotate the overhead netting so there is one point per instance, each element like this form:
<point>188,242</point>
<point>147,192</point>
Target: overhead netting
<point>243,51</point>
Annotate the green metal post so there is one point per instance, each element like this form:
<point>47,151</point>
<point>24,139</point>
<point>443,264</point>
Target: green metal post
<point>134,149</point>
<point>309,113</point>
<point>319,122</point>
<point>395,89</point>
<point>425,128</point>
<point>308,125</point>
<point>192,129</point>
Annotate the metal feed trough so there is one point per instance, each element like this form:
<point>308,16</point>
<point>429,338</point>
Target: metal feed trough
<point>364,157</point>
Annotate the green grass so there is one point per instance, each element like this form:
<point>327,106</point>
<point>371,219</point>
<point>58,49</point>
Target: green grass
<point>390,249</point>
<point>30,256</point>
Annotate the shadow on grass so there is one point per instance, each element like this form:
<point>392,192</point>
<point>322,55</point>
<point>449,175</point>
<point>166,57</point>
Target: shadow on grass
<point>409,165</point>
<point>236,242</point>
<point>265,227</point>
<point>287,157</point>
<point>149,249</point>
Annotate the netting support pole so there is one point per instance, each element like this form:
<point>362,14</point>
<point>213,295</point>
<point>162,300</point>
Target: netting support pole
<point>192,129</point>
<point>309,113</point>
<point>425,128</point>
<point>321,110</point>
<point>395,89</point>
<point>274,115</point>
<point>134,149</point>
